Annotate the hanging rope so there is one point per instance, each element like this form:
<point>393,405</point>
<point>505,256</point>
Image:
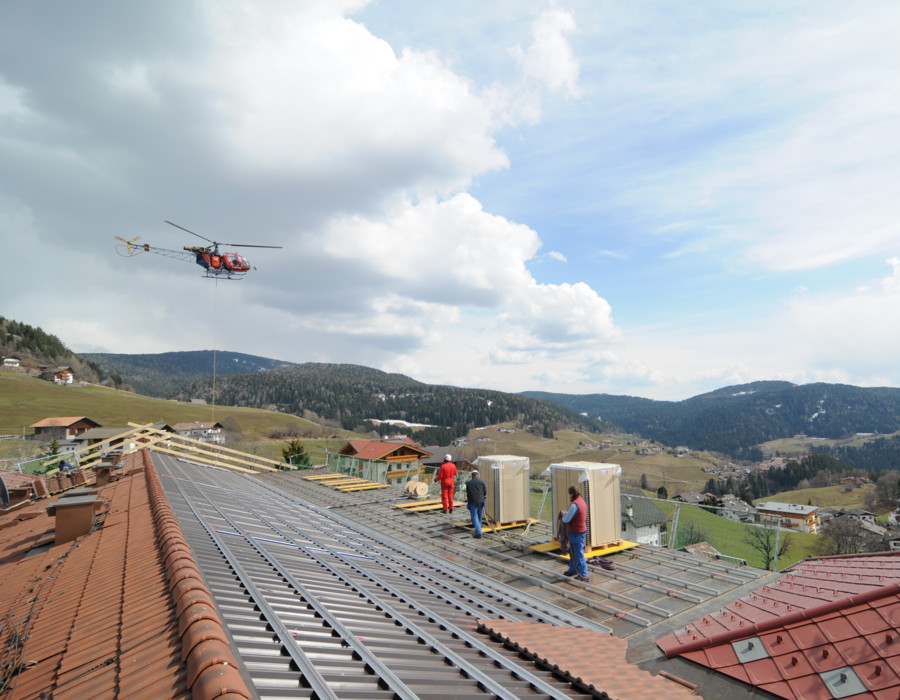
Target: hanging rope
<point>215,342</point>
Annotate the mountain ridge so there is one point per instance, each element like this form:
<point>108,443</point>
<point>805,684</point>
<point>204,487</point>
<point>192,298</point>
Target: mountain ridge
<point>734,419</point>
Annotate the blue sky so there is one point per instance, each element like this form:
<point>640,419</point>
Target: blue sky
<point>645,198</point>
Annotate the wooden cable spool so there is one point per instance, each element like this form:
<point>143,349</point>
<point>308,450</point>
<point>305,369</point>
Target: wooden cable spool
<point>417,488</point>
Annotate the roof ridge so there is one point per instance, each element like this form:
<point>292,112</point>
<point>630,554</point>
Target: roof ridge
<point>856,555</point>
<point>212,669</point>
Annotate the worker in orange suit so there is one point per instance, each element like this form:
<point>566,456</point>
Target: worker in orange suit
<point>446,476</point>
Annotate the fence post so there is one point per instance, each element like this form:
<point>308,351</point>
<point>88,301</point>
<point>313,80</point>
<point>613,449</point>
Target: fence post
<point>673,534</point>
<point>777,542</point>
<point>540,512</point>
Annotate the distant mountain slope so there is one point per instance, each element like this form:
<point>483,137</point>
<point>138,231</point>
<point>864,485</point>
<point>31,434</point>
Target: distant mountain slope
<point>36,349</point>
<point>162,373</point>
<point>735,419</point>
<point>351,394</point>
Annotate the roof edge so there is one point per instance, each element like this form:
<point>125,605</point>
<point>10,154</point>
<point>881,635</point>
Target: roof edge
<point>825,557</point>
<point>768,625</point>
<point>211,664</point>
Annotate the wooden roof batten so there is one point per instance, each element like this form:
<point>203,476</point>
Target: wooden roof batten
<point>146,436</point>
<point>205,453</point>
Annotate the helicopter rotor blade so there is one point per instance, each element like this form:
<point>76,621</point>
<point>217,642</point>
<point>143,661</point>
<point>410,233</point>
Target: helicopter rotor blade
<point>250,245</point>
<point>191,232</point>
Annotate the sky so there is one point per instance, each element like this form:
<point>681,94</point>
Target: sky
<point>650,198</point>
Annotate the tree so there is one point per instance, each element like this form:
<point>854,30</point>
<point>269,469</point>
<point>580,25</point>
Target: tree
<point>846,535</point>
<point>766,539</point>
<point>689,534</point>
<point>295,453</point>
<point>886,488</point>
<point>662,493</point>
<point>645,484</point>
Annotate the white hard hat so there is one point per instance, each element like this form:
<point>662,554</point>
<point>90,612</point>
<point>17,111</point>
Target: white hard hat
<point>448,458</point>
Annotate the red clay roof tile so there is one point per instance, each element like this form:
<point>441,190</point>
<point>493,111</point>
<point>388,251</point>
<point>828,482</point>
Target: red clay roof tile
<point>97,614</point>
<point>855,630</point>
<point>598,661</point>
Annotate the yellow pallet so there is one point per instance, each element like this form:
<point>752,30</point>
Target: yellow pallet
<point>510,525</point>
<point>431,506</point>
<point>621,546</point>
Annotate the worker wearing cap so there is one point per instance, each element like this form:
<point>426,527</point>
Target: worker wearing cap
<point>446,476</point>
<point>476,493</point>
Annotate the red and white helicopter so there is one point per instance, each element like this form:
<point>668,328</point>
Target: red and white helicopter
<point>229,265</point>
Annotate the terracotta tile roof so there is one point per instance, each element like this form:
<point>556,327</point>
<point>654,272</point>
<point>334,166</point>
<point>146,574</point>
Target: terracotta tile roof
<point>12,479</point>
<point>379,449</point>
<point>114,613</point>
<point>597,661</point>
<point>826,629</point>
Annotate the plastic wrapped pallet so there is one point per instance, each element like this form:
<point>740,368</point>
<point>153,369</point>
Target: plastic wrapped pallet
<point>599,485</point>
<point>507,480</point>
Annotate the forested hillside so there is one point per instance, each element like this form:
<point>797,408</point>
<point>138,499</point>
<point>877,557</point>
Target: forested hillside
<point>36,349</point>
<point>736,419</point>
<point>162,374</point>
<point>349,395</point>
<point>876,455</point>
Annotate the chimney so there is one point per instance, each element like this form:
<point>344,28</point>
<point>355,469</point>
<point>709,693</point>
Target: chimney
<point>103,471</point>
<point>74,515</point>
<point>629,509</point>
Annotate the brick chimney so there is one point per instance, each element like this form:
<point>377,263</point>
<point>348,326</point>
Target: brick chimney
<point>74,515</point>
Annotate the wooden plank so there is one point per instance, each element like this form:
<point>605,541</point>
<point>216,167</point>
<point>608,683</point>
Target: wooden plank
<point>201,460</point>
<point>362,487</point>
<point>416,504</point>
<point>325,477</point>
<point>219,452</point>
<point>274,465</point>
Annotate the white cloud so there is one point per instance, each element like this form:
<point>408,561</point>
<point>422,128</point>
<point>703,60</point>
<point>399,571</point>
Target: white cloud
<point>557,256</point>
<point>549,59</point>
<point>316,94</point>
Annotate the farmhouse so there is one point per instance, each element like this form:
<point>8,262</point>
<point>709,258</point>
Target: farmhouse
<point>790,515</point>
<point>401,450</point>
<point>641,519</point>
<point>60,428</point>
<point>204,432</point>
<point>59,375</point>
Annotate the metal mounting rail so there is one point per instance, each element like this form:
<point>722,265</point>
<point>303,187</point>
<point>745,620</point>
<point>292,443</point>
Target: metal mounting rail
<point>484,680</point>
<point>312,567</point>
<point>307,668</point>
<point>440,563</point>
<point>535,608</point>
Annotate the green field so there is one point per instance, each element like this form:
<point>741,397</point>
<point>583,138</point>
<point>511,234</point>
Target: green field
<point>26,400</point>
<point>727,536</point>
<point>836,496</point>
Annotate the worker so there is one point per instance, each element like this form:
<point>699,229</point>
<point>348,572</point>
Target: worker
<point>575,519</point>
<point>446,477</point>
<point>476,493</point>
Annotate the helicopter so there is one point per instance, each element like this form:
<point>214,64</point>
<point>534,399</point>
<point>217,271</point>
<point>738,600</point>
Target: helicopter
<point>229,265</point>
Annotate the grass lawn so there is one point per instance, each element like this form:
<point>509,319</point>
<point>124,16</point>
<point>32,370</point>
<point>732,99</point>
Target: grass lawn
<point>26,400</point>
<point>835,496</point>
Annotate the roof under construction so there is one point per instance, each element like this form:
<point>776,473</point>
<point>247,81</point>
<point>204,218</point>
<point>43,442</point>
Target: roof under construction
<point>197,580</point>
